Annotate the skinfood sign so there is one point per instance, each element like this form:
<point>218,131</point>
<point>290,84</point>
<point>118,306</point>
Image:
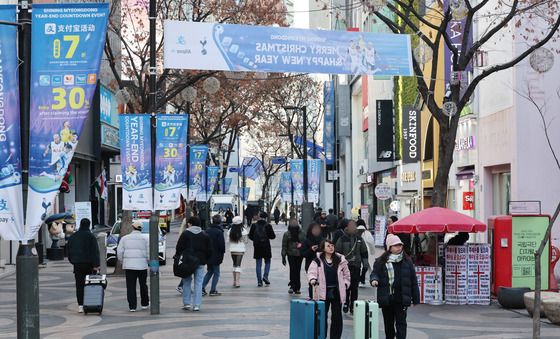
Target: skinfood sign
<point>410,135</point>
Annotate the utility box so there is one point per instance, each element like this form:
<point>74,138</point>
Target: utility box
<point>515,240</point>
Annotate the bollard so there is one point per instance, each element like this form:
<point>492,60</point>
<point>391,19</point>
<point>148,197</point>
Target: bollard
<point>102,244</point>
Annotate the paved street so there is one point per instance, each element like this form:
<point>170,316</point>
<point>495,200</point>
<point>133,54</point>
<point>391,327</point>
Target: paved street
<point>248,312</point>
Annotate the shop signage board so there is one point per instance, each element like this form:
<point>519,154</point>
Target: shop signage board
<point>527,233</point>
<point>456,275</point>
<point>364,211</point>
<point>524,207</point>
<point>427,279</point>
<point>410,135</point>
<point>380,230</point>
<point>479,265</point>
<point>82,210</point>
<point>383,191</point>
<point>385,130</point>
<point>468,201</point>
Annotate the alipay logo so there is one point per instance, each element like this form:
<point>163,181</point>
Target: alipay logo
<point>50,29</point>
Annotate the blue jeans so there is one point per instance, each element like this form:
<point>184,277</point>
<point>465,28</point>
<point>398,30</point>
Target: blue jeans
<point>197,295</point>
<point>214,273</point>
<point>266,269</point>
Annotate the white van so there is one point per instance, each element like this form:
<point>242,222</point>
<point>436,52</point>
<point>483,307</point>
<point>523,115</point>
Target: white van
<point>221,202</point>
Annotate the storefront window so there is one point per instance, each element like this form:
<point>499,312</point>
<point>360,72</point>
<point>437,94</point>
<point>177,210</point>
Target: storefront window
<point>501,192</point>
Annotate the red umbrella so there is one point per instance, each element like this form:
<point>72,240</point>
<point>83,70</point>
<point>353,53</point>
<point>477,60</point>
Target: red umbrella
<point>437,220</point>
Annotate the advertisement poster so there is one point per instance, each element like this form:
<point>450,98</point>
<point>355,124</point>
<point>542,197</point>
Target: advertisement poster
<point>410,135</point>
<point>197,179</point>
<point>296,170</point>
<point>380,230</point>
<point>385,128</point>
<point>136,161</point>
<point>212,174</point>
<point>68,41</point>
<point>314,180</point>
<point>329,137</point>
<point>479,274</point>
<point>224,47</point>
<point>427,279</point>
<point>527,233</point>
<point>82,210</point>
<point>456,275</point>
<point>171,160</point>
<point>244,193</point>
<point>285,187</point>
<point>468,201</point>
<point>11,199</point>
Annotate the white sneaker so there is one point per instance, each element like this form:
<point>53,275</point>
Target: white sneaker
<point>80,309</point>
<point>132,310</point>
<point>187,307</point>
<point>196,309</point>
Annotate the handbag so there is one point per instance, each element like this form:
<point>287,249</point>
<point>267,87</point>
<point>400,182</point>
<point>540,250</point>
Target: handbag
<point>186,263</point>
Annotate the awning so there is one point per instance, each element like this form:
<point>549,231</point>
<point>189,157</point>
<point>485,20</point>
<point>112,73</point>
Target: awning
<point>465,174</point>
<point>437,220</point>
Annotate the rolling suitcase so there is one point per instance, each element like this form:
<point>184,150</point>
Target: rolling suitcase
<point>94,293</point>
<point>366,318</point>
<point>307,319</point>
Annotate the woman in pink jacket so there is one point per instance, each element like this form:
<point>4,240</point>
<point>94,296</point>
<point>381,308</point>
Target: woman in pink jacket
<point>329,272</point>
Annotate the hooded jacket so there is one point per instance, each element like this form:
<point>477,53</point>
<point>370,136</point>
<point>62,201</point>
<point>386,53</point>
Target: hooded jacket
<point>133,251</point>
<point>198,240</point>
<point>82,248</point>
<point>316,271</point>
<point>410,293</point>
<point>289,246</point>
<point>216,234</point>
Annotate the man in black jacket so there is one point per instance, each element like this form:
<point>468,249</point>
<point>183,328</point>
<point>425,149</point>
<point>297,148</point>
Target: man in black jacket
<point>261,233</point>
<point>216,234</point>
<point>198,242</point>
<point>83,254</point>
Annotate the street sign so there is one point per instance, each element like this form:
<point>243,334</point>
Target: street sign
<point>278,160</point>
<point>332,175</point>
<point>524,207</point>
<point>234,169</point>
<point>383,191</point>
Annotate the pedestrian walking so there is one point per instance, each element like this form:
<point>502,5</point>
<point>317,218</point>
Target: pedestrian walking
<point>332,222</point>
<point>83,254</point>
<point>341,226</point>
<point>370,244</point>
<point>237,237</point>
<point>394,275</point>
<point>216,234</point>
<point>261,233</point>
<point>330,275</point>
<point>311,247</point>
<point>181,230</point>
<point>198,243</point>
<point>276,215</point>
<point>292,246</point>
<point>354,249</point>
<point>322,221</point>
<point>229,217</point>
<point>134,252</point>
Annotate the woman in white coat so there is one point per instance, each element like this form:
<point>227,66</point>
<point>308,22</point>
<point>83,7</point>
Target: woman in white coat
<point>237,238</point>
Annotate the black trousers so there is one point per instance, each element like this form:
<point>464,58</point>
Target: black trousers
<point>80,272</point>
<point>394,317</point>
<point>131,277</point>
<point>295,270</point>
<point>352,291</point>
<point>336,315</point>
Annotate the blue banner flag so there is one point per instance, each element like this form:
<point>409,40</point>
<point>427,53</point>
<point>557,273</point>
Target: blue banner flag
<point>311,147</point>
<point>68,41</point>
<point>171,160</point>
<point>197,179</point>
<point>226,185</point>
<point>314,179</point>
<point>285,187</point>
<point>252,168</point>
<point>244,193</point>
<point>296,170</point>
<point>11,199</point>
<point>136,161</point>
<point>329,138</point>
<point>225,47</point>
<point>212,175</point>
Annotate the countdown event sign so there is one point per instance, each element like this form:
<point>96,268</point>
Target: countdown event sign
<point>171,160</point>
<point>67,45</point>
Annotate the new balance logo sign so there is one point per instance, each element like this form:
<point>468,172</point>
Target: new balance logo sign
<point>385,155</point>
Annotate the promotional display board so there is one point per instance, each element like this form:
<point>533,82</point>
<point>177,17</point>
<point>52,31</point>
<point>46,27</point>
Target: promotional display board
<point>82,210</point>
<point>197,176</point>
<point>314,181</point>
<point>456,275</point>
<point>385,130</point>
<point>226,47</point>
<point>11,199</point>
<point>285,186</point>
<point>212,174</point>
<point>526,236</point>
<point>170,164</point>
<point>411,135</point>
<point>329,137</point>
<point>67,42</point>
<point>136,161</point>
<point>479,266</point>
<point>296,170</point>
<point>427,280</point>
<point>380,230</point>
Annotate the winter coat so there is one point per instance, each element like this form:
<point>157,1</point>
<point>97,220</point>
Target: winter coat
<point>82,248</point>
<point>354,248</point>
<point>261,233</point>
<point>198,240</point>
<point>290,247</point>
<point>337,234</point>
<point>134,251</point>
<point>316,271</point>
<point>240,246</point>
<point>216,234</point>
<point>332,222</point>
<point>229,217</point>
<point>410,294</point>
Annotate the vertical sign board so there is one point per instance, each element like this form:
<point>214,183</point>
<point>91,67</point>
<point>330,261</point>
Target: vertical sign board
<point>456,275</point>
<point>384,130</point>
<point>527,233</point>
<point>82,210</point>
<point>468,201</point>
<point>285,186</point>
<point>296,169</point>
<point>197,179</point>
<point>67,42</point>
<point>136,162</point>
<point>479,268</point>
<point>11,198</point>
<point>212,173</point>
<point>314,182</point>
<point>329,138</point>
<point>454,31</point>
<point>411,132</point>
<point>427,280</point>
<point>380,230</point>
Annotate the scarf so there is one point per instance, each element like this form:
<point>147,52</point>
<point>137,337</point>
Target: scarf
<point>390,271</point>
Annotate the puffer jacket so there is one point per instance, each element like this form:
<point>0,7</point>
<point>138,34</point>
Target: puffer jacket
<point>354,248</point>
<point>316,271</point>
<point>410,293</point>
<point>134,251</point>
<point>292,248</point>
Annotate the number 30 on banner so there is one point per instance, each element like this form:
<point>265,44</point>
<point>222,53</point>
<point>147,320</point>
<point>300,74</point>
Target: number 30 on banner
<point>75,97</point>
<point>170,152</point>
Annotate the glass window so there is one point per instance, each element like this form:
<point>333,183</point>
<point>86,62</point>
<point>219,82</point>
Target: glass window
<point>501,192</point>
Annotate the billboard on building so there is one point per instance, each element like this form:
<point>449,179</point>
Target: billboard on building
<point>385,130</point>
<point>411,145</point>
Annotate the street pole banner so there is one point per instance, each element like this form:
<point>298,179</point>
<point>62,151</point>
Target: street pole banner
<point>244,193</point>
<point>296,170</point>
<point>171,160</point>
<point>385,126</point>
<point>136,161</point>
<point>68,41</point>
<point>410,135</point>
<point>197,179</point>
<point>285,186</point>
<point>227,185</point>
<point>213,172</point>
<point>11,198</point>
<point>314,179</point>
<point>223,47</point>
<point>329,121</point>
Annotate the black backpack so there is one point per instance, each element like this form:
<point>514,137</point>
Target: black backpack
<point>261,234</point>
<point>186,263</point>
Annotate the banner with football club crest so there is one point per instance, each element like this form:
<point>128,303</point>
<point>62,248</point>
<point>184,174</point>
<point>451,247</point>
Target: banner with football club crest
<point>197,173</point>
<point>67,46</point>
<point>171,160</point>
<point>296,170</point>
<point>314,182</point>
<point>285,187</point>
<point>136,161</point>
<point>212,174</point>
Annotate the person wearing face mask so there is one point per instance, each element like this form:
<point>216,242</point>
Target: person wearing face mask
<point>394,275</point>
<point>354,249</point>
